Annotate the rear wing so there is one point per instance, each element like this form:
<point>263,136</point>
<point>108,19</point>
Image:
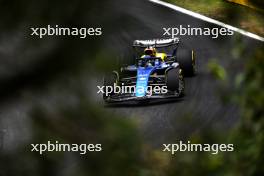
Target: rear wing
<point>158,43</point>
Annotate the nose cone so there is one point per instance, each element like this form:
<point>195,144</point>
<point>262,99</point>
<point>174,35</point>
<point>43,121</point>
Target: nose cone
<point>143,74</point>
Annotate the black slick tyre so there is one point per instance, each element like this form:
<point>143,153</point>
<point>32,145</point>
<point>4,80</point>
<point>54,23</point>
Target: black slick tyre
<point>174,80</point>
<point>186,59</point>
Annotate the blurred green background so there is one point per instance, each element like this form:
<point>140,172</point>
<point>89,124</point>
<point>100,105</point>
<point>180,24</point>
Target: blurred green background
<point>32,65</point>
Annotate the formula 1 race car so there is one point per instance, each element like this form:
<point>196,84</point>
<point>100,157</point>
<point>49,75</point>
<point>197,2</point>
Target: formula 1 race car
<point>154,75</point>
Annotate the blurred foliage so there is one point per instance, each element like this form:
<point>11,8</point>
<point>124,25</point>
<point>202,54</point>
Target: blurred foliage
<point>248,137</point>
<point>124,152</point>
<point>250,134</point>
<point>250,19</point>
<point>84,123</point>
<point>258,3</point>
<point>217,71</point>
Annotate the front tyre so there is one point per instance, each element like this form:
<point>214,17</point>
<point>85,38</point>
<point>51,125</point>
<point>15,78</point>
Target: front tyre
<point>175,81</point>
<point>109,81</point>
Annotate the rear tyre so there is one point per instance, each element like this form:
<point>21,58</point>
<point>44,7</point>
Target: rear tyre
<point>186,59</point>
<point>175,81</point>
<point>110,80</point>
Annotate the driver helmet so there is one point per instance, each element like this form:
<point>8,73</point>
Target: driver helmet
<point>151,51</point>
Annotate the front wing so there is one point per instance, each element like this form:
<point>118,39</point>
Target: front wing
<point>132,97</point>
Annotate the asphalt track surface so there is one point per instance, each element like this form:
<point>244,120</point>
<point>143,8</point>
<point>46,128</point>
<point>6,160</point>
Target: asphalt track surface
<point>163,122</point>
<point>201,108</point>
<point>160,122</point>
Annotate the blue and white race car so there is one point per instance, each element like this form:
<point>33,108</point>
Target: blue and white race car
<point>158,72</point>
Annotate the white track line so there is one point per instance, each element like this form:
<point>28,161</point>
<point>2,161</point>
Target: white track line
<point>210,20</point>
